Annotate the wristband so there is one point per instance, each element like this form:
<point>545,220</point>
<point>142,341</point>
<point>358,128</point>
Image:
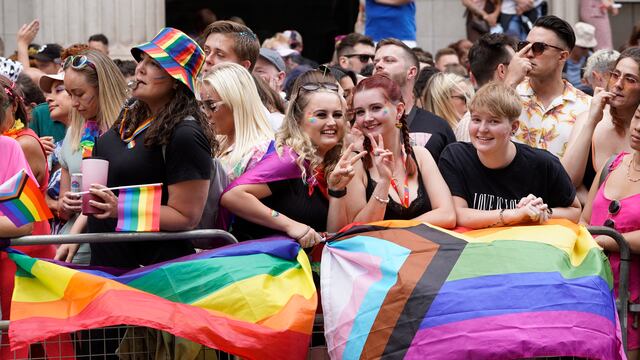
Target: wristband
<point>337,193</point>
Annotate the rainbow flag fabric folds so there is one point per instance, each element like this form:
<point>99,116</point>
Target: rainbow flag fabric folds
<point>408,290</point>
<point>256,300</point>
<point>21,200</point>
<point>139,208</point>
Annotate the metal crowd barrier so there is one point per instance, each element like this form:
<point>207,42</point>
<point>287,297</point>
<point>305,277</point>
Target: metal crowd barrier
<point>622,302</point>
<point>317,347</point>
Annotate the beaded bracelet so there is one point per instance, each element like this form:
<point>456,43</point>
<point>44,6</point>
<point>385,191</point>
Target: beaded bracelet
<point>384,201</point>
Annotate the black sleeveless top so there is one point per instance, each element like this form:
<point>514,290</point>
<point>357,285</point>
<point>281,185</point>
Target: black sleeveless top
<point>420,205</point>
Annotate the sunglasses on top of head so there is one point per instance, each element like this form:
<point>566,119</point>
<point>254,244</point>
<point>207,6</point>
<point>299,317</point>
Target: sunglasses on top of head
<point>77,62</point>
<point>537,48</point>
<point>362,57</point>
<point>316,86</point>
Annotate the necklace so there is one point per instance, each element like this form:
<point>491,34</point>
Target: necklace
<point>404,195</point>
<point>633,157</point>
<point>130,140</point>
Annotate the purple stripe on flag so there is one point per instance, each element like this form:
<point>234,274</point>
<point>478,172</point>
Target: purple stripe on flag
<point>523,335</point>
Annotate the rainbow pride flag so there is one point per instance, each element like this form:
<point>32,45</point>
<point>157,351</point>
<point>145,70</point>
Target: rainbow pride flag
<point>261,311</point>
<point>21,200</point>
<point>139,208</point>
<point>408,290</point>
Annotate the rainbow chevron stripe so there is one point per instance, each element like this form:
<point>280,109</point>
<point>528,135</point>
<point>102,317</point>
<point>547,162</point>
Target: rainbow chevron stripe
<point>139,209</point>
<point>402,289</point>
<point>21,200</point>
<point>262,311</point>
<point>177,53</point>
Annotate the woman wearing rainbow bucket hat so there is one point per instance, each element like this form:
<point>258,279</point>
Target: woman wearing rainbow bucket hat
<point>161,136</point>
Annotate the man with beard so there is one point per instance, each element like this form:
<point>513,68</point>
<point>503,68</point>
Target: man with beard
<point>396,60</point>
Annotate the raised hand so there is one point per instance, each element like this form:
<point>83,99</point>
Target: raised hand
<point>519,67</point>
<point>343,172</point>
<point>28,32</point>
<point>382,158</point>
<point>600,99</point>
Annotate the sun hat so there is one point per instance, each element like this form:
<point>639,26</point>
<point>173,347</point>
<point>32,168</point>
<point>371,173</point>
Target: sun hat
<point>177,54</point>
<point>585,35</point>
<point>46,81</point>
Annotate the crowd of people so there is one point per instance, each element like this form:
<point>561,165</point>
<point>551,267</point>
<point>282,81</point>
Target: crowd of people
<point>491,131</point>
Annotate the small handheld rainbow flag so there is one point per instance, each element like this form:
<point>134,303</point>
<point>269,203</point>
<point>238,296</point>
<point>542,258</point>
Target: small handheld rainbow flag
<point>21,200</point>
<point>139,208</point>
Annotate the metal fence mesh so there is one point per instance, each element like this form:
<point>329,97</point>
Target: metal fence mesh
<point>130,343</point>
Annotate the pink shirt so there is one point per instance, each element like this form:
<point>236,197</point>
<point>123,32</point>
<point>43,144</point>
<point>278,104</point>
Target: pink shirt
<point>12,159</point>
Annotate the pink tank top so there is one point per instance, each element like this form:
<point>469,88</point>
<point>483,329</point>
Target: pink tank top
<point>626,220</point>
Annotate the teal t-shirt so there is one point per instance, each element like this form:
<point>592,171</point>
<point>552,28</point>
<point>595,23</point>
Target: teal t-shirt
<point>43,125</point>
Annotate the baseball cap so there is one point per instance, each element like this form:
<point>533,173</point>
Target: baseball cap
<point>49,52</point>
<point>47,80</point>
<point>274,58</point>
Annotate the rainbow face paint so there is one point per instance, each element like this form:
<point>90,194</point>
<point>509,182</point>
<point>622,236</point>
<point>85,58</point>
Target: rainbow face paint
<point>385,111</point>
<point>313,120</point>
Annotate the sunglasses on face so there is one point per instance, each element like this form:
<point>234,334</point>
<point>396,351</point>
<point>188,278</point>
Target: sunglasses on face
<point>614,209</point>
<point>210,106</point>
<point>77,62</point>
<point>364,58</point>
<point>537,48</point>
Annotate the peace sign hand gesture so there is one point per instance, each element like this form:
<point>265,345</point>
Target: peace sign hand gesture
<point>343,172</point>
<point>382,158</point>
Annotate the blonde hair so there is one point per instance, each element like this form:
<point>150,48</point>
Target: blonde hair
<point>437,96</point>
<point>238,91</point>
<point>499,100</point>
<point>112,91</point>
<point>292,135</point>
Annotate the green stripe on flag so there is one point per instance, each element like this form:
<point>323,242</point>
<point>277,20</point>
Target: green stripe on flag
<point>24,264</point>
<point>190,281</point>
<point>510,256</point>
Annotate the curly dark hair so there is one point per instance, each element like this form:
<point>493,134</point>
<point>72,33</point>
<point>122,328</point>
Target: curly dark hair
<point>182,105</point>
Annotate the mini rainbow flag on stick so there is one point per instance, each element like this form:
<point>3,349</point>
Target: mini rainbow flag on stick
<point>139,208</point>
<point>21,200</point>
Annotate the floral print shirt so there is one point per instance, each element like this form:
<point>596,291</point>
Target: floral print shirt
<point>549,128</point>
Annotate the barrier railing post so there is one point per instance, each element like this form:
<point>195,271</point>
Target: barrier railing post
<point>622,303</point>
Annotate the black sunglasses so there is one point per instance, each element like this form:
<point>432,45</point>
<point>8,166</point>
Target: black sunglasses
<point>537,48</point>
<point>614,209</point>
<point>362,57</point>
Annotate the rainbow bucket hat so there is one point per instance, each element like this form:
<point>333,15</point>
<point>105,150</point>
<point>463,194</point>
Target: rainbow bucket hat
<point>177,53</point>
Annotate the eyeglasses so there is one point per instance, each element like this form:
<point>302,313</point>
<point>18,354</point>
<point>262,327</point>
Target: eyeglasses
<point>614,209</point>
<point>316,86</point>
<point>537,48</point>
<point>210,106</point>
<point>78,62</point>
<point>364,58</point>
<point>627,79</point>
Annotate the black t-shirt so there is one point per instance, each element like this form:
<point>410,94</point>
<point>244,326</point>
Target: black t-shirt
<point>532,171</point>
<point>187,157</point>
<point>291,198</point>
<point>422,121</point>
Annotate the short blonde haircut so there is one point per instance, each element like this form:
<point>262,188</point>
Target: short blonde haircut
<point>112,91</point>
<point>437,96</point>
<point>498,99</point>
<point>236,88</point>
